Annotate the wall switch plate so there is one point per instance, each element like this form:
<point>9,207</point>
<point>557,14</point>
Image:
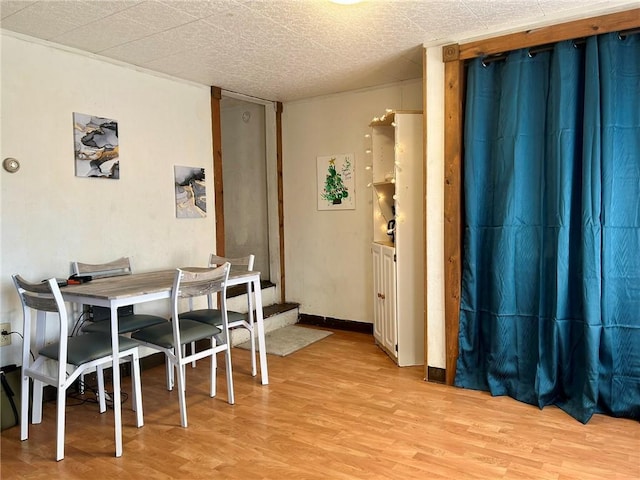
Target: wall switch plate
<point>5,339</point>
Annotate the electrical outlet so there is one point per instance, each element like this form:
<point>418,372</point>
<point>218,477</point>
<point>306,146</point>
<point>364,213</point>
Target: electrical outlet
<point>5,339</point>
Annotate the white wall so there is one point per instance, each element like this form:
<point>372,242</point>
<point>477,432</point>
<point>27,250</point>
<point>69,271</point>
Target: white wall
<point>434,100</point>
<point>49,216</point>
<point>328,253</point>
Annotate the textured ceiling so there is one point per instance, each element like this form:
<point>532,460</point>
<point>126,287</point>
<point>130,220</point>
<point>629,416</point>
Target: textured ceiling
<point>278,49</point>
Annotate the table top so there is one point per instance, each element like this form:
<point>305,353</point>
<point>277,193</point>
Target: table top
<point>138,284</point>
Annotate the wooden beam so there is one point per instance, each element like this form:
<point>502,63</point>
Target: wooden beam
<point>216,140</point>
<point>453,72</point>
<point>587,27</point>
<point>280,197</point>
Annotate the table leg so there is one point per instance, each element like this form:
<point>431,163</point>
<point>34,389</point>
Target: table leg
<point>117,404</point>
<point>260,323</point>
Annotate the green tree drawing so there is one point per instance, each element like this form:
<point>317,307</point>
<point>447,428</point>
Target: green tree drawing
<point>334,188</point>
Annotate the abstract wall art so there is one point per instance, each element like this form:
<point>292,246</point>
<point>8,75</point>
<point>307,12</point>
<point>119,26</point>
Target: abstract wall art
<point>191,194</point>
<point>336,182</point>
<point>96,146</point>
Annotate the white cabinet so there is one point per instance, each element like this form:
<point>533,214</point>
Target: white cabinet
<point>384,291</point>
<point>398,253</point>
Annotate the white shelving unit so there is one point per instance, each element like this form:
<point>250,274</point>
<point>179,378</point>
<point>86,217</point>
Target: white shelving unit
<point>398,259</point>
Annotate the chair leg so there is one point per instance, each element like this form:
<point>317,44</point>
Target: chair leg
<point>227,356</point>
<point>62,394</point>
<point>102,394</point>
<point>24,408</point>
<point>214,368</point>
<point>252,337</point>
<point>136,381</point>
<point>169,368</point>
<point>193,350</point>
<point>181,395</point>
<point>36,413</point>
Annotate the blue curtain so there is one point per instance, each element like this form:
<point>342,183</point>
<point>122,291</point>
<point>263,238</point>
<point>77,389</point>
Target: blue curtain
<point>550,301</point>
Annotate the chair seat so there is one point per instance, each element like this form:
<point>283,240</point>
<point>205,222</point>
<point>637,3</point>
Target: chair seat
<point>213,316</point>
<point>86,348</point>
<point>126,324</point>
<point>162,334</point>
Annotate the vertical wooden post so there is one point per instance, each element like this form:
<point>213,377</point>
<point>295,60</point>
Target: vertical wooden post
<point>280,197</point>
<point>454,89</point>
<point>216,140</point>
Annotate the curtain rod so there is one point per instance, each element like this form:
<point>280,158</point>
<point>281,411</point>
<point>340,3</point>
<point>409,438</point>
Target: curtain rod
<point>498,57</point>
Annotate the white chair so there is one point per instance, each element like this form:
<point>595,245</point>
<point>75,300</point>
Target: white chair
<point>170,337</point>
<point>73,355</point>
<point>213,316</point>
<point>127,322</point>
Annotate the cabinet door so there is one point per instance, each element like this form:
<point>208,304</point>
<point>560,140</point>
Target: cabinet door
<point>390,329</point>
<point>378,313</point>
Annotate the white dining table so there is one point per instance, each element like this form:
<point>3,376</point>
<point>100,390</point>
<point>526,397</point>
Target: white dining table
<point>115,292</point>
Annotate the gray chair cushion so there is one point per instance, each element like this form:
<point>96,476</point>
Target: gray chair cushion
<point>126,324</point>
<point>85,348</point>
<point>212,316</point>
<point>162,334</point>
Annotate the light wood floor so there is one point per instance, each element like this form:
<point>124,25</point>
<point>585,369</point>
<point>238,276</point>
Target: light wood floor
<point>338,409</point>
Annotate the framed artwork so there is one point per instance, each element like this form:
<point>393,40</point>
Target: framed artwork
<point>191,192</point>
<point>95,145</point>
<point>336,182</point>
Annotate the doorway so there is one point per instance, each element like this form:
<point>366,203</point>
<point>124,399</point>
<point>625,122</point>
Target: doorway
<point>248,139</point>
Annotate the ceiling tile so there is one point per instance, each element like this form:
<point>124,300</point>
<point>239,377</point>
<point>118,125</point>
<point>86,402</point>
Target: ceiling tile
<point>279,49</point>
<point>116,29</point>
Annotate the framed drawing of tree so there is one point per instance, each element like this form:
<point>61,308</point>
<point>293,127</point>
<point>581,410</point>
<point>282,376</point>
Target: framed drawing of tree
<point>336,182</point>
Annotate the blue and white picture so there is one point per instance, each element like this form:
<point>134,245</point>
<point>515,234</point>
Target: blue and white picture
<point>191,193</point>
<point>96,146</point>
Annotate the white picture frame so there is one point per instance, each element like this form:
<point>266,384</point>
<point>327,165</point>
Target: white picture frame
<point>336,182</point>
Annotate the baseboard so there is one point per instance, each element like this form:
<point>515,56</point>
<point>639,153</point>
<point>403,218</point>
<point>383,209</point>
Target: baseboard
<point>336,323</point>
<point>436,375</point>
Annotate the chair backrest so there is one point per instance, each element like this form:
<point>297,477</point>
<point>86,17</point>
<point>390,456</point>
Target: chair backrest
<point>215,260</point>
<point>196,282</point>
<point>116,268</point>
<point>246,261</point>
<point>44,297</point>
<point>193,282</point>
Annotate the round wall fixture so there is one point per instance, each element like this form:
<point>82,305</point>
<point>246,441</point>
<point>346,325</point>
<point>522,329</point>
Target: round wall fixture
<point>246,116</point>
<point>11,165</point>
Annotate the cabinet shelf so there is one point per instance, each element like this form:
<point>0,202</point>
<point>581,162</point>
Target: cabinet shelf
<point>385,184</point>
<point>385,244</point>
<point>389,118</point>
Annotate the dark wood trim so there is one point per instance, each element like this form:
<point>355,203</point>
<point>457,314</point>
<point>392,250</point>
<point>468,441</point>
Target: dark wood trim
<point>238,290</point>
<point>278,308</point>
<point>454,92</point>
<point>216,141</point>
<point>436,375</point>
<point>451,52</point>
<point>335,323</point>
<point>280,197</point>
